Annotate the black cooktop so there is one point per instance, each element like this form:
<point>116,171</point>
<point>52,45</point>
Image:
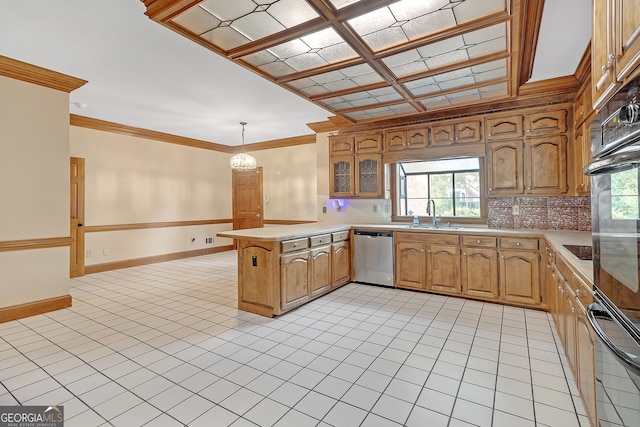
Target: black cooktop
<point>582,252</point>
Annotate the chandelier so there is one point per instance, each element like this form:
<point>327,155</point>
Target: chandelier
<point>243,161</point>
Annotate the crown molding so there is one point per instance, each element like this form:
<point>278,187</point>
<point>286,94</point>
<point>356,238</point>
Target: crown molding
<point>19,70</point>
<point>276,143</point>
<point>97,124</point>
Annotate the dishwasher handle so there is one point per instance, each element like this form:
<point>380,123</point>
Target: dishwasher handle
<point>373,233</point>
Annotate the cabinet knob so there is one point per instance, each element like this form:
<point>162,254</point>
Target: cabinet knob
<point>611,58</point>
<point>604,69</point>
<point>478,240</point>
<point>490,189</point>
<point>528,188</point>
<point>464,253</point>
<point>578,292</point>
<point>517,243</point>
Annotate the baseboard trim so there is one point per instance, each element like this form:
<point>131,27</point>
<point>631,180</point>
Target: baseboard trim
<point>97,268</point>
<point>32,308</point>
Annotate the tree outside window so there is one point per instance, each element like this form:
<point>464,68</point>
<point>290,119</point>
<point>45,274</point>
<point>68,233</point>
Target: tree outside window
<point>454,186</point>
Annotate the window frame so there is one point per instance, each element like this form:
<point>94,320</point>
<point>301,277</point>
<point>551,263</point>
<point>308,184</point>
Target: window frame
<point>395,196</point>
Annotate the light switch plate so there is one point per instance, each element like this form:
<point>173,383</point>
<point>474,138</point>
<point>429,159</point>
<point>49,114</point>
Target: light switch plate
<point>516,209</point>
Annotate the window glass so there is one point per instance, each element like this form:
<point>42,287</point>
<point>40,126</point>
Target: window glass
<point>453,185</point>
<point>624,195</point>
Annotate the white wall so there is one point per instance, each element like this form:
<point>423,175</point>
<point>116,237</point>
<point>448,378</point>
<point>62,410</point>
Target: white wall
<point>34,190</point>
<point>130,180</point>
<point>289,182</point>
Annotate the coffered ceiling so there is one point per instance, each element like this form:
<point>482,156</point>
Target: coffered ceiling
<point>281,64</point>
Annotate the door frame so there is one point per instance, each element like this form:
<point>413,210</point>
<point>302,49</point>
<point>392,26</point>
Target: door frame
<point>79,234</point>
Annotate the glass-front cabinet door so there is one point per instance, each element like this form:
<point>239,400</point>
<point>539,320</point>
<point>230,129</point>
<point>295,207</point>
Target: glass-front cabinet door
<point>369,176</point>
<point>342,182</point>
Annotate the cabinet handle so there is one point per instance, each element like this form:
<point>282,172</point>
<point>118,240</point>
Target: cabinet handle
<point>605,69</point>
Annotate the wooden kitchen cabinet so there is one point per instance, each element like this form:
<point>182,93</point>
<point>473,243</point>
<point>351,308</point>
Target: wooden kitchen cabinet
<point>369,176</point>
<point>615,46</point>
<point>406,139</point>
<point>428,262</point>
<point>410,265</point>
<point>479,261</point>
<point>505,167</point>
<point>545,165</point>
<point>356,176</point>
<point>505,127</point>
<point>443,268</point>
<point>368,143</point>
<point>520,271</point>
<point>342,176</point>
<point>457,132</point>
<point>546,122</point>
<point>340,263</point>
<point>572,295</point>
<point>294,279</point>
<point>582,159</point>
<point>341,145</point>
<point>319,270</point>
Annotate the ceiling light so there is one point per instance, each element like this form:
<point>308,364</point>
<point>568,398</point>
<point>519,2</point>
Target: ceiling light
<point>242,161</point>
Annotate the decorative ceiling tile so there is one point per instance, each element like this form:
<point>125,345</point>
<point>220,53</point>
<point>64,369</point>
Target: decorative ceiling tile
<point>459,78</point>
<point>382,112</point>
<point>359,99</point>
<point>346,78</point>
<point>229,24</point>
<point>453,50</point>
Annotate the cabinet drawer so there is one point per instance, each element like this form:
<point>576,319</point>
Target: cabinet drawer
<point>428,238</point>
<point>514,243</point>
<point>294,245</point>
<point>320,240</point>
<point>480,241</point>
<point>340,236</point>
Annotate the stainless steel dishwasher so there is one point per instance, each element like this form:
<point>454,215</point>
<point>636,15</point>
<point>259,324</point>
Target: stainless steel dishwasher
<point>374,257</point>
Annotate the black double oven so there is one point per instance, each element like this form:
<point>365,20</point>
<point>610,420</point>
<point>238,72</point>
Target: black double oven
<point>615,202</point>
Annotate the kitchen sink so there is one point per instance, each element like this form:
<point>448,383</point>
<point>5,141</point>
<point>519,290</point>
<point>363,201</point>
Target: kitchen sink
<point>431,227</point>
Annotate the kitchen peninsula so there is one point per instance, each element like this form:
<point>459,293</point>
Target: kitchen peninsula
<point>283,267</point>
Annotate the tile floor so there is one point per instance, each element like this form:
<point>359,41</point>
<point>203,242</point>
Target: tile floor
<point>164,345</point>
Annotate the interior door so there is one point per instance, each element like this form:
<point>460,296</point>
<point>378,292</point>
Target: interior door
<point>247,199</point>
<point>76,259</point>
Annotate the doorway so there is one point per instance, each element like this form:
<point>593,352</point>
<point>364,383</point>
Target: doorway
<point>76,258</point>
<point>248,210</point>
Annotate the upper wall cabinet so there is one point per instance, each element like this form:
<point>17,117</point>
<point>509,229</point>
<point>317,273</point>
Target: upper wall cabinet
<point>533,161</point>
<point>457,132</point>
<point>341,144</point>
<point>403,139</point>
<point>546,123</point>
<point>505,127</point>
<point>369,143</point>
<point>615,46</point>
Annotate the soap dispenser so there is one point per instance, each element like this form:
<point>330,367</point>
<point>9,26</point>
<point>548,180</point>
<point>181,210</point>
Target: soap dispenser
<point>416,219</point>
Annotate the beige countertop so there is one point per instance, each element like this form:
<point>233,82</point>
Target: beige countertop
<point>556,238</point>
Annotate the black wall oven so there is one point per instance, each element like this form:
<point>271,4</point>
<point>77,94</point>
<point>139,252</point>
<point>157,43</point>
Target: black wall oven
<point>615,203</point>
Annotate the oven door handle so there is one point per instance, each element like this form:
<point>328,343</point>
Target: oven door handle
<point>630,361</point>
<point>614,163</point>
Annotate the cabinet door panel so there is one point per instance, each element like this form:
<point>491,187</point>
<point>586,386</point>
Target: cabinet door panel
<point>627,21</point>
<point>505,167</point>
<point>442,134</point>
<point>520,277</point>
<point>320,270</point>
<point>410,265</point>
<point>417,138</point>
<point>603,80</point>
<point>586,367</point>
<point>340,263</point>
<point>546,163</point>
<point>369,176</point>
<point>505,127</point>
<point>257,269</point>
<point>341,176</point>
<point>480,272</point>
<point>396,140</point>
<point>469,132</point>
<point>547,122</point>
<point>370,143</point>
<point>341,145</point>
<point>294,279</point>
<point>443,268</point>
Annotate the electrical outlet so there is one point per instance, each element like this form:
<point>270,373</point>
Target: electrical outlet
<point>516,209</point>
<point>208,240</point>
<point>105,252</point>
<point>89,254</point>
<point>387,209</point>
<point>324,209</point>
<point>375,208</point>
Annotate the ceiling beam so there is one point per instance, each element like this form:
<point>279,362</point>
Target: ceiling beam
<point>530,19</point>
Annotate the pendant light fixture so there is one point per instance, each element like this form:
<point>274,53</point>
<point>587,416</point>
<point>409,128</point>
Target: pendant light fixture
<point>243,161</point>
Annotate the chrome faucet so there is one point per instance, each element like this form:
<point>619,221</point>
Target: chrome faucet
<point>432,211</point>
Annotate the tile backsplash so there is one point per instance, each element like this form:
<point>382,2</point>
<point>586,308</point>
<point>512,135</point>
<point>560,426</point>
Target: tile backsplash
<point>546,213</point>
